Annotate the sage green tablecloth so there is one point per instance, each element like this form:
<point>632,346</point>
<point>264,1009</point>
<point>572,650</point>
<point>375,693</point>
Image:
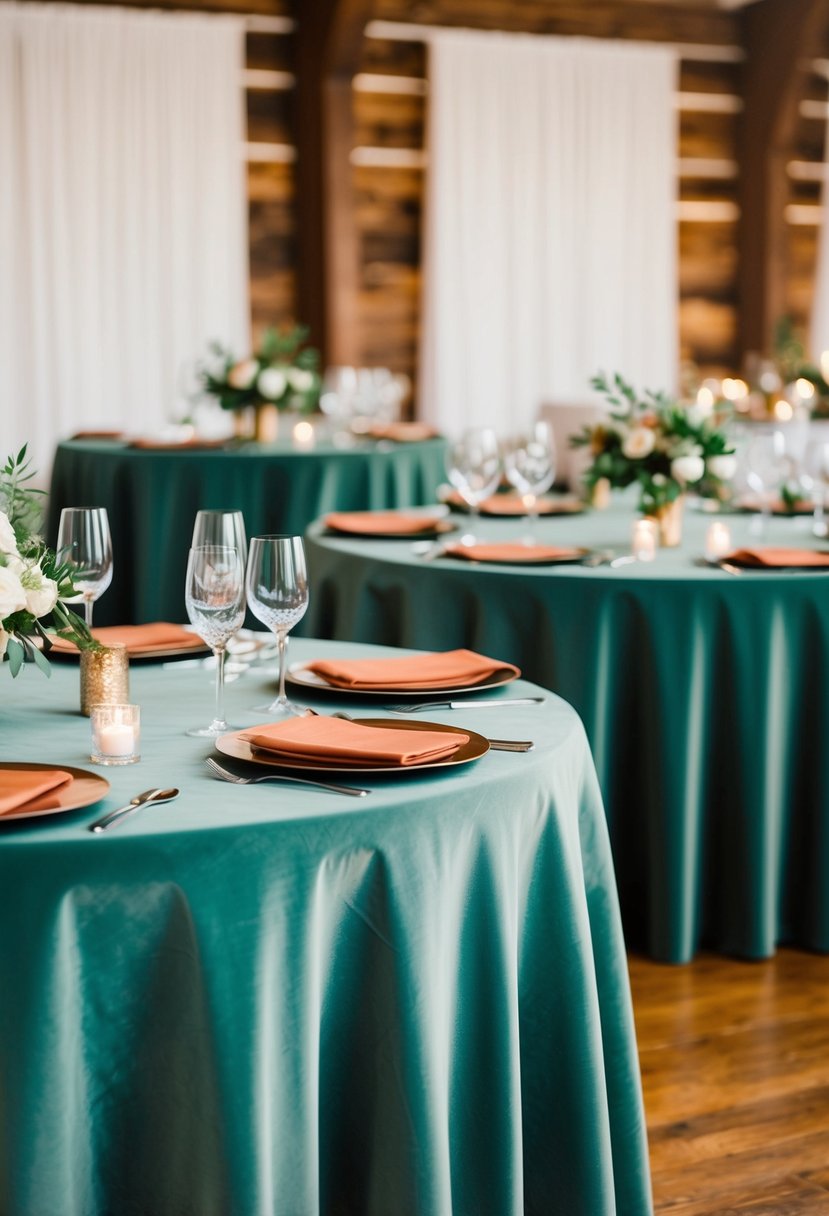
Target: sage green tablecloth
<point>270,1000</point>
<point>152,498</point>
<point>705,697</point>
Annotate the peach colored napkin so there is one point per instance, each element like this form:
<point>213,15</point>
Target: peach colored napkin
<point>335,741</point>
<point>513,504</point>
<point>771,559</point>
<point>158,635</point>
<point>176,445</point>
<point>402,432</point>
<point>386,523</point>
<point>446,669</point>
<point>98,435</point>
<point>514,553</point>
<point>21,786</point>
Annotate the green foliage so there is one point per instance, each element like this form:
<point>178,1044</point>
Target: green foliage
<point>21,502</point>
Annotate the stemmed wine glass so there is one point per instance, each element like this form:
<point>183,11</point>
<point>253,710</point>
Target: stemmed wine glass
<point>84,543</point>
<point>277,584</point>
<point>767,465</point>
<point>215,599</point>
<point>473,465</point>
<point>817,465</point>
<point>530,465</point>
<point>223,528</point>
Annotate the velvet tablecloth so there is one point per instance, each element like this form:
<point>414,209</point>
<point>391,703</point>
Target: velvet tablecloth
<point>705,696</point>
<point>270,1000</point>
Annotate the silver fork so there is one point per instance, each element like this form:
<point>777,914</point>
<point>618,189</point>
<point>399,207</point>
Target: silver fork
<point>496,745</point>
<point>224,774</point>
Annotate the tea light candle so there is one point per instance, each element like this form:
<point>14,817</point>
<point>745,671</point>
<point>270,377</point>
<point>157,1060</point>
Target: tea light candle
<point>644,539</point>
<point>116,734</point>
<point>717,540</point>
<point>303,435</point>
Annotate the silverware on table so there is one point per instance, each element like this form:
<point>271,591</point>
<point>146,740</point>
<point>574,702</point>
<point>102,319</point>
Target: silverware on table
<point>225,774</point>
<point>421,705</point>
<point>123,812</point>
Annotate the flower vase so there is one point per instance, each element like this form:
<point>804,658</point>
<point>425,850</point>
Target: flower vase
<point>669,520</point>
<point>105,677</point>
<point>266,426</point>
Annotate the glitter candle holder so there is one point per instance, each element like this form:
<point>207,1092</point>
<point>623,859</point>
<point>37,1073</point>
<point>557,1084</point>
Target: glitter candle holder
<point>105,677</point>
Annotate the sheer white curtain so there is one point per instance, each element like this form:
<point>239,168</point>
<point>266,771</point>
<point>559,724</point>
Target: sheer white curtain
<point>123,229</point>
<point>550,233</point>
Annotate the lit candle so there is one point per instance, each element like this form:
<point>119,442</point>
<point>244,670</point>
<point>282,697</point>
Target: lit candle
<point>303,435</point>
<point>116,733</point>
<point>717,540</point>
<point>116,740</point>
<point>644,539</point>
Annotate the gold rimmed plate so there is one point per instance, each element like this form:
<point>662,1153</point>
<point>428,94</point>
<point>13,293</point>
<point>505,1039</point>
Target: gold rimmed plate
<point>240,749</point>
<point>299,675</point>
<point>85,789</point>
<point>441,528</point>
<point>574,557</point>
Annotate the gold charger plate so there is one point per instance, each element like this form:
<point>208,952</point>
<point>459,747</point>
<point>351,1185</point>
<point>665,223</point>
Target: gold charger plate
<point>239,749</point>
<point>299,675</point>
<point>440,529</point>
<point>569,559</point>
<point>85,789</point>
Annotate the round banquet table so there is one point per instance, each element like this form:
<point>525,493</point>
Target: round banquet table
<point>705,696</point>
<point>272,999</point>
<point>152,498</point>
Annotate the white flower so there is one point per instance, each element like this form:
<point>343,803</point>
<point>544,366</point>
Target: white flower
<point>688,468</point>
<point>12,595</point>
<point>41,592</point>
<point>272,383</point>
<point>723,467</point>
<point>8,544</point>
<point>639,443</point>
<point>302,381</point>
<point>4,641</point>
<point>242,375</point>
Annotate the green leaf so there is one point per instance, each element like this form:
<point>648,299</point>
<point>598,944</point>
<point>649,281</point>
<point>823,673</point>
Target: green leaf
<point>16,655</point>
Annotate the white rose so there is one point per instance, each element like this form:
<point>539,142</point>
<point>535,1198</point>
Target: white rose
<point>4,641</point>
<point>639,443</point>
<point>723,467</point>
<point>242,375</point>
<point>272,383</point>
<point>41,592</point>
<point>12,595</point>
<point>688,468</point>
<point>302,381</point>
<point>8,544</point>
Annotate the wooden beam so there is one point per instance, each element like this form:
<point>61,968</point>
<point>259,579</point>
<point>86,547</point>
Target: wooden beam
<point>779,36</point>
<point>329,46</point>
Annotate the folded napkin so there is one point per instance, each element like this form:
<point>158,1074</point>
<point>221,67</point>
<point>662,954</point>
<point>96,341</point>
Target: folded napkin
<point>158,635</point>
<point>147,443</point>
<point>18,787</point>
<point>446,669</point>
<point>513,504</point>
<point>335,741</point>
<point>385,523</point>
<point>402,432</point>
<point>771,559</point>
<point>512,553</point>
<point>98,435</point>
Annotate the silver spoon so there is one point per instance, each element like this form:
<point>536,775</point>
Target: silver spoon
<point>123,812</point>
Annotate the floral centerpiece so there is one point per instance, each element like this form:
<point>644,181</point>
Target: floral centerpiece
<point>33,582</point>
<point>657,444</point>
<point>283,374</point>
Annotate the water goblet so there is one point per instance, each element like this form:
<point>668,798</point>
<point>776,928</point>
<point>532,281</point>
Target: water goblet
<point>767,465</point>
<point>473,465</point>
<point>215,600</point>
<point>223,528</point>
<point>817,465</point>
<point>277,583</point>
<point>530,466</point>
<point>84,543</point>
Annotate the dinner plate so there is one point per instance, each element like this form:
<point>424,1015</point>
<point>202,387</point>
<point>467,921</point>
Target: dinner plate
<point>545,507</point>
<point>299,675</point>
<point>143,656</point>
<point>85,789</point>
<point>572,559</point>
<point>239,749</point>
<point>801,507</point>
<point>440,529</point>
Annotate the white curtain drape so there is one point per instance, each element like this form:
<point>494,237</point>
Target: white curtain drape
<point>123,226</point>
<point>550,231</point>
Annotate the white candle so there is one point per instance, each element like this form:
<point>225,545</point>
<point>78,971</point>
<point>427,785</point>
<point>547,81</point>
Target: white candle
<point>303,435</point>
<point>116,734</point>
<point>116,740</point>
<point>644,539</point>
<point>717,540</point>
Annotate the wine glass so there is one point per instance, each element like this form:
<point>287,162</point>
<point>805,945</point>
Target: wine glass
<point>766,468</point>
<point>530,465</point>
<point>817,465</point>
<point>473,465</point>
<point>215,599</point>
<point>84,543</point>
<point>223,528</point>
<point>277,584</point>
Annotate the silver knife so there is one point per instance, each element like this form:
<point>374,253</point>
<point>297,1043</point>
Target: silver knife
<point>421,705</point>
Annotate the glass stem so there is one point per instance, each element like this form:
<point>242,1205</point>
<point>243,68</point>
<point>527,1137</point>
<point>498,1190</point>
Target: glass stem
<point>282,644</point>
<point>87,610</point>
<point>220,684</point>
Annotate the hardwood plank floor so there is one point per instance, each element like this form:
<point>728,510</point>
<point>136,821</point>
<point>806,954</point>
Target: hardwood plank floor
<point>735,1070</point>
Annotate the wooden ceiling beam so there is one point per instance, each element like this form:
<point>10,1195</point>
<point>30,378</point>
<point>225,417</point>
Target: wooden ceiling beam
<point>779,37</point>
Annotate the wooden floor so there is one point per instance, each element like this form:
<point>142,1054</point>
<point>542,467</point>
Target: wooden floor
<point>735,1068</point>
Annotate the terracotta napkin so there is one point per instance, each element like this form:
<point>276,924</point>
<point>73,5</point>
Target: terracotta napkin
<point>446,669</point>
<point>158,635</point>
<point>21,786</point>
<point>98,435</point>
<point>335,741</point>
<point>402,432</point>
<point>513,504</point>
<point>386,523</point>
<point>176,445</point>
<point>771,559</point>
<point>512,553</point>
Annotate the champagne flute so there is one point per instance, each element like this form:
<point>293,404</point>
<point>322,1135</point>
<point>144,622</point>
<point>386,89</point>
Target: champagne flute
<point>215,599</point>
<point>84,543</point>
<point>277,584</point>
<point>473,465</point>
<point>530,466</point>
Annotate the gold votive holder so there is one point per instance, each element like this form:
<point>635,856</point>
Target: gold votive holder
<point>105,677</point>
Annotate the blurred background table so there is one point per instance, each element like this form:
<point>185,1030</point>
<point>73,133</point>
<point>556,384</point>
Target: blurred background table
<point>705,696</point>
<point>268,998</point>
<point>152,497</point>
